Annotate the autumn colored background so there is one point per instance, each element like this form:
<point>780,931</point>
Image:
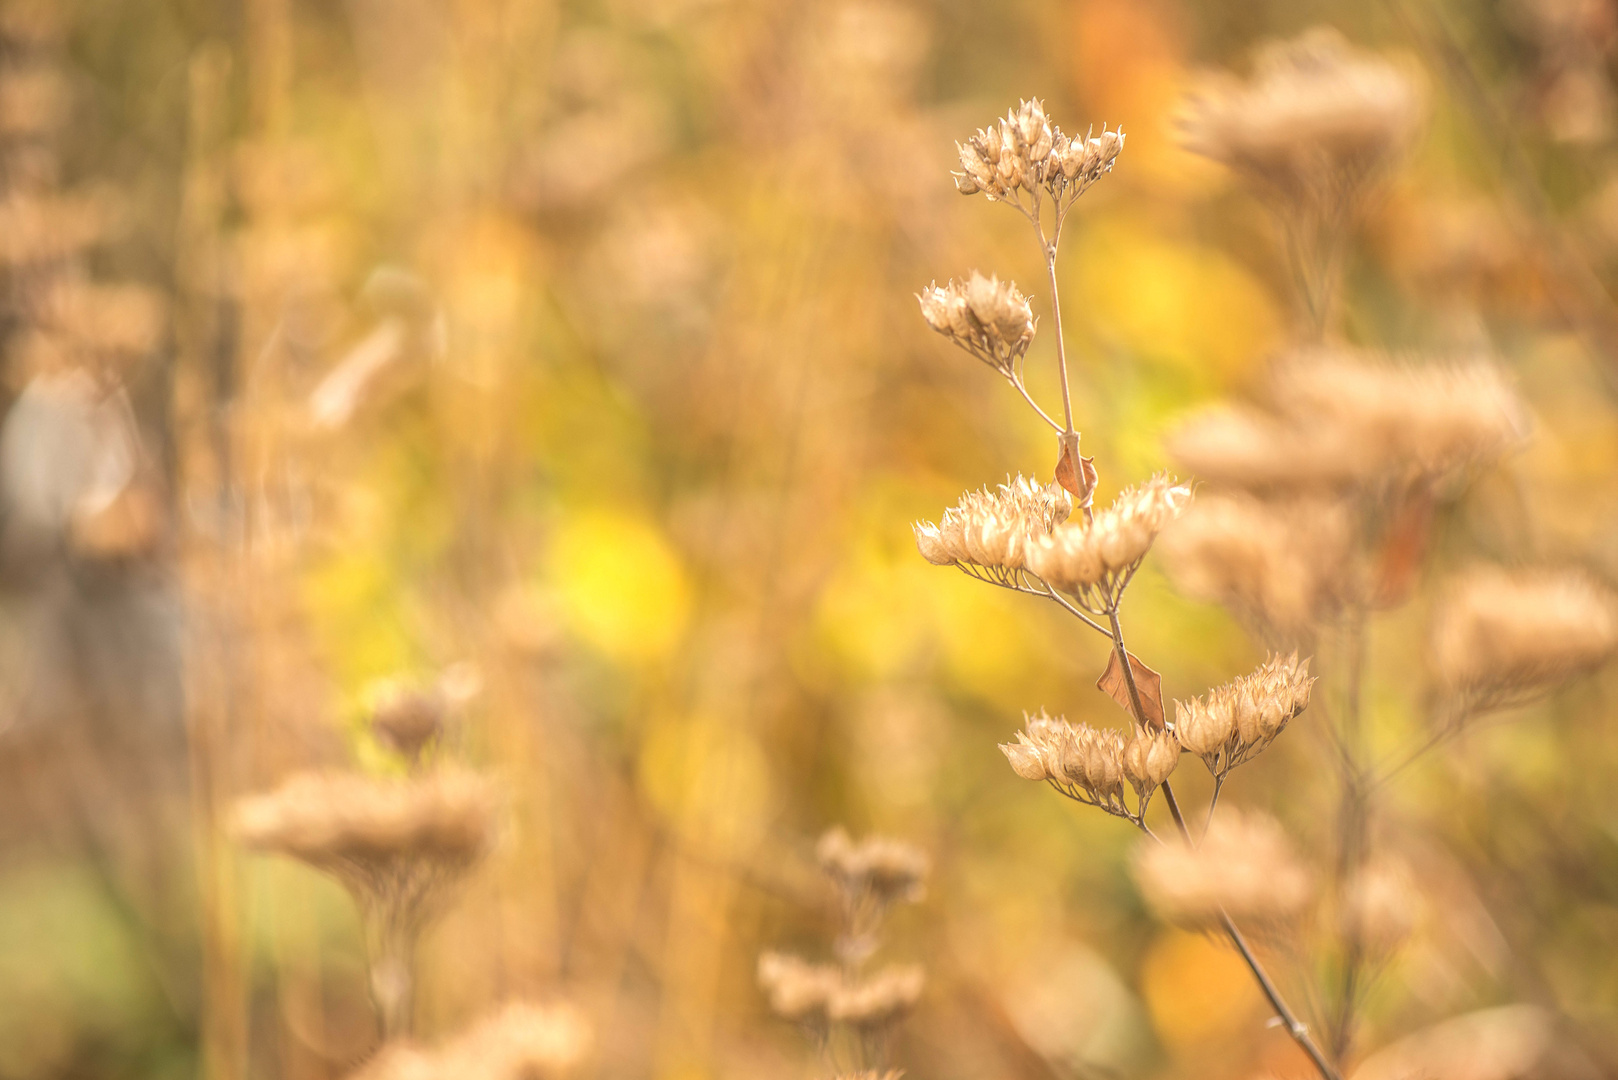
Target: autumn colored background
<point>638,411</point>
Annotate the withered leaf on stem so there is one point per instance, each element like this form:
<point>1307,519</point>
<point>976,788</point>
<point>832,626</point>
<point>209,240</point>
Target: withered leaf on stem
<point>1147,681</point>
<point>1080,480</point>
<point>1404,547</point>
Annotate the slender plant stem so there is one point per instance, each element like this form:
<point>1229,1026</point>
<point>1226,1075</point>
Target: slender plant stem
<point>1295,1027</point>
<point>1061,348</point>
<point>1023,390</point>
<point>1352,833</point>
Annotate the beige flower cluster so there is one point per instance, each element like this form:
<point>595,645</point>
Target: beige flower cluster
<point>1501,636</point>
<point>1094,560</point>
<point>1236,721</point>
<point>1025,151</point>
<point>1315,111</point>
<point>992,528</point>
<point>521,1042</point>
<point>814,994</point>
<point>1091,765</point>
<point>989,318</point>
<point>1348,418</point>
<point>1284,563</point>
<point>1244,868</point>
<point>889,870</point>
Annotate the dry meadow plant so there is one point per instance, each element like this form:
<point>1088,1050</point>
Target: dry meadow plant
<point>850,1013</point>
<point>1320,508</point>
<point>1019,538</point>
<point>400,847</point>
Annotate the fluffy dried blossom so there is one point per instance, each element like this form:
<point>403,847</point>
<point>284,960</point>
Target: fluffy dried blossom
<point>521,1042</point>
<point>1283,564</point>
<point>1245,867</point>
<point>1247,448</point>
<point>1428,420</point>
<point>1092,765</point>
<point>404,718</point>
<point>1502,636</point>
<point>797,989</point>
<point>989,318</point>
<point>991,529</point>
<point>889,870</point>
<point>1235,722</point>
<point>1026,152</point>
<point>877,1000</point>
<point>1094,560</point>
<point>1317,118</point>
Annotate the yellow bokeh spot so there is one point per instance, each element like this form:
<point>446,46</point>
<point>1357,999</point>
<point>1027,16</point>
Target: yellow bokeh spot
<point>709,778</point>
<point>984,641</point>
<point>1188,305</point>
<point>621,587</point>
<point>872,613</point>
<point>1197,988</point>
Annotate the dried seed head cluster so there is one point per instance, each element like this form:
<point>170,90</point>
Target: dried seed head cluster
<point>989,318</point>
<point>991,529</point>
<point>1094,560</point>
<point>521,1042</point>
<point>1026,152</point>
<point>1348,419</point>
<point>1284,564</point>
<point>1502,636</point>
<point>1317,117</point>
<point>406,719</point>
<point>1235,722</point>
<point>817,994</point>
<point>1093,765</point>
<point>888,870</point>
<point>1245,868</point>
<point>396,844</point>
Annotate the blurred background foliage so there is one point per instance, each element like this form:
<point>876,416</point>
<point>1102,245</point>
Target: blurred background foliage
<point>576,342</point>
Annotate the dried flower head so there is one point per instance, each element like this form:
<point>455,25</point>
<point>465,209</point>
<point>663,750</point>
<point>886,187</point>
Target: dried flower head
<point>521,1042</point>
<point>1245,868</point>
<point>991,529</point>
<point>1317,118</point>
<point>1284,564</point>
<point>1235,722</point>
<point>398,845</point>
<point>1094,560</point>
<point>888,870</point>
<point>406,718</point>
<point>878,1000</point>
<point>1402,419</point>
<point>989,318</point>
<point>1092,765</point>
<point>1247,448</point>
<point>1503,636</point>
<point>1026,152</point>
<point>797,989</point>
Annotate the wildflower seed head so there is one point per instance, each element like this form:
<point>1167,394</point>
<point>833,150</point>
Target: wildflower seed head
<point>796,988</point>
<point>884,869</point>
<point>1317,119</point>
<point>1094,560</point>
<point>987,317</point>
<point>1285,563</point>
<point>1091,764</point>
<point>1244,866</point>
<point>404,718</point>
<point>879,1000</point>
<point>1235,722</point>
<point>522,1041</point>
<point>1502,636</point>
<point>992,528</point>
<point>1026,152</point>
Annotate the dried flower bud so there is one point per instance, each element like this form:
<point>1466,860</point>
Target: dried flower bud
<point>992,529</point>
<point>1149,759</point>
<point>1244,867</point>
<point>1094,560</point>
<point>1503,636</point>
<point>521,1042</point>
<point>1235,722</point>
<point>1024,151</point>
<point>987,317</point>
